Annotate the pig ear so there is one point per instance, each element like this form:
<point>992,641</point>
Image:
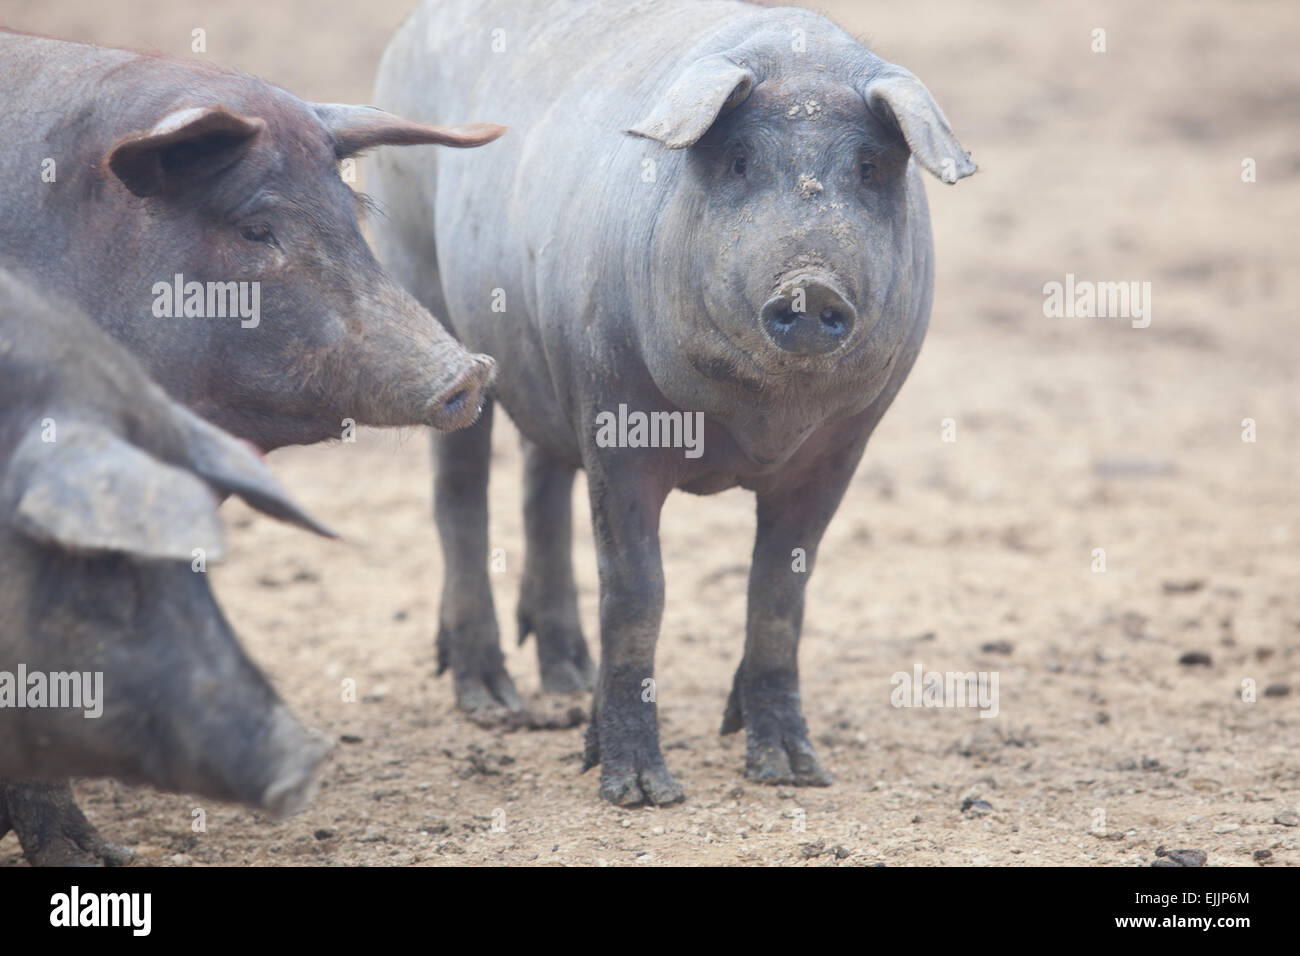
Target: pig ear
<point>899,96</point>
<point>695,100</point>
<point>90,491</point>
<point>356,128</point>
<point>231,467</point>
<point>180,142</point>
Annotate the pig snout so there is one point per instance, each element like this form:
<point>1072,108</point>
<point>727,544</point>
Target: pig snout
<point>808,316</point>
<point>294,756</point>
<point>458,404</point>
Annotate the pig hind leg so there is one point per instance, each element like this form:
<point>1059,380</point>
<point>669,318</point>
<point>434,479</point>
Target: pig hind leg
<point>51,828</point>
<point>469,643</point>
<point>548,597</point>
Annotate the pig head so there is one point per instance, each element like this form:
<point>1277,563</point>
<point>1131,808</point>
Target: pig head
<point>108,518</point>
<point>201,216</point>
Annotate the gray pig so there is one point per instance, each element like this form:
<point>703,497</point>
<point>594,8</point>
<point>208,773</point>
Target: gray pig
<point>198,214</point>
<point>711,213</point>
<point>134,179</point>
<point>107,487</point>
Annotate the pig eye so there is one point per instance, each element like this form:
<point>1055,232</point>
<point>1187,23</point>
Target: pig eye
<point>258,233</point>
<point>739,165</point>
<point>867,171</point>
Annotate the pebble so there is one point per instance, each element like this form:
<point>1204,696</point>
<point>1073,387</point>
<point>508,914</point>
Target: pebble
<point>1179,857</point>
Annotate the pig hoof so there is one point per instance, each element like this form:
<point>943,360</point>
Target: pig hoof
<point>630,783</point>
<point>53,831</point>
<point>484,689</point>
<point>793,762</point>
<point>561,656</point>
<point>568,677</point>
<point>632,786</point>
<point>777,750</point>
<point>489,699</point>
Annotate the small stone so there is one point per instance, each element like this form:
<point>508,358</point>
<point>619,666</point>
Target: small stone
<point>1263,855</point>
<point>1195,659</point>
<point>1179,857</point>
<point>996,647</point>
<point>976,807</point>
<point>1277,690</point>
<point>1189,586</point>
<point>1288,818</point>
<point>323,834</point>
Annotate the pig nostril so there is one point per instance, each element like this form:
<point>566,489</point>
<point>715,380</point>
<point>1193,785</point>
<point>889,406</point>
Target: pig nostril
<point>460,404</point>
<point>822,328</point>
<point>455,401</point>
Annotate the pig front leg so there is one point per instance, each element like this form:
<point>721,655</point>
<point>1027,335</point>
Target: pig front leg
<point>548,596</point>
<point>469,642</point>
<point>51,828</point>
<point>623,736</point>
<point>765,694</point>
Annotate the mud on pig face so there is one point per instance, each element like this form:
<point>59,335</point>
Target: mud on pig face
<point>795,207</point>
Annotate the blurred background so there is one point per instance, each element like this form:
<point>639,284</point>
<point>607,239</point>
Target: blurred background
<point>1072,434</point>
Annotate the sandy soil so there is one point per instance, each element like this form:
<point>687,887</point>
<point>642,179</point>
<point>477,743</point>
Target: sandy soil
<point>1071,435</point>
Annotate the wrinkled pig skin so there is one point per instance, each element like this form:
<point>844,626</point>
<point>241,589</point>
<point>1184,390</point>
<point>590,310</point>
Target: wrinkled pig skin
<point>126,170</point>
<point>703,207</point>
<point>107,488</point>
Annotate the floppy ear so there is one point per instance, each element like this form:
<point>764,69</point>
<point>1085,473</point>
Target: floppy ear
<point>900,97</point>
<point>203,138</point>
<point>360,127</point>
<point>91,491</point>
<point>696,99</point>
<point>231,467</point>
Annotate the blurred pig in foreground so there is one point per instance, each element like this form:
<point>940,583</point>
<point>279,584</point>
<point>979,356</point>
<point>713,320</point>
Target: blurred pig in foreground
<point>115,659</point>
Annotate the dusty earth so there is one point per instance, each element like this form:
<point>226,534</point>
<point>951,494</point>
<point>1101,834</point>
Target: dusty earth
<point>1072,434</point>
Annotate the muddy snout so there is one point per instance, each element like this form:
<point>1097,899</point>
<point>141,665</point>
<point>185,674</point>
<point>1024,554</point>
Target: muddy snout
<point>457,404</point>
<point>808,316</point>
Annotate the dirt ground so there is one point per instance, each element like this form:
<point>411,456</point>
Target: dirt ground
<point>1072,434</point>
